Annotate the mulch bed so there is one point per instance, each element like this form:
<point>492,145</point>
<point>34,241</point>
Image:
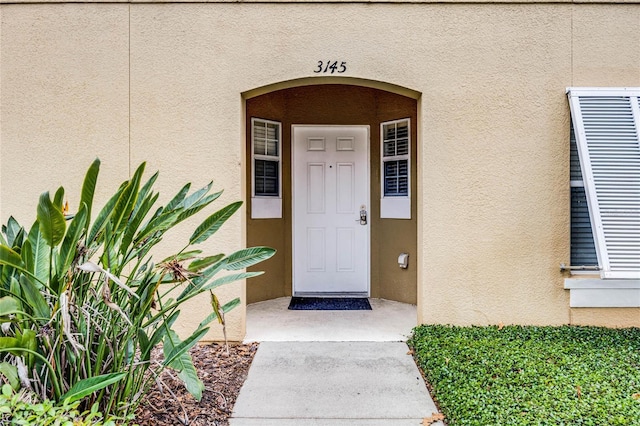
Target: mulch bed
<point>223,376</point>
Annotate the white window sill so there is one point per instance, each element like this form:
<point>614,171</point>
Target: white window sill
<point>599,293</point>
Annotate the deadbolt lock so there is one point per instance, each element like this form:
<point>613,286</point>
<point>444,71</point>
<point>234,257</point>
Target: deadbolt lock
<point>363,215</point>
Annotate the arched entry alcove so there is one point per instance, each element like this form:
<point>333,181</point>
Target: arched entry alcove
<point>386,119</point>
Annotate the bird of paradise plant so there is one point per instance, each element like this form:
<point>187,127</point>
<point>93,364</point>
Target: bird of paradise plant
<point>82,303</point>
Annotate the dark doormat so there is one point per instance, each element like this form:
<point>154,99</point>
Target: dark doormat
<point>329,304</point>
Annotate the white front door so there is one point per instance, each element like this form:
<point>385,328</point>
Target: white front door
<point>330,197</point>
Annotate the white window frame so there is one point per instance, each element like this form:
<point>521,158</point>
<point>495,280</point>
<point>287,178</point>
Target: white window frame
<point>609,209</point>
<point>263,206</point>
<point>395,207</point>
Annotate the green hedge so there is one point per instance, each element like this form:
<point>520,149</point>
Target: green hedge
<point>532,375</point>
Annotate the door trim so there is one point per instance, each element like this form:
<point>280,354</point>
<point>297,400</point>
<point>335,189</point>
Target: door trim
<point>366,293</point>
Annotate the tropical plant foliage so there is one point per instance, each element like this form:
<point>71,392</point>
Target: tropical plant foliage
<point>82,303</point>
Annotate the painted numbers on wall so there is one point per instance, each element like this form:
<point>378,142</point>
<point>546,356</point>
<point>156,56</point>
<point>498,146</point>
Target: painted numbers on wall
<point>330,67</point>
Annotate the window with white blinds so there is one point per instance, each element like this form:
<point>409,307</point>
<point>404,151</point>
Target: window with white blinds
<point>395,169</point>
<point>607,125</point>
<point>266,173</point>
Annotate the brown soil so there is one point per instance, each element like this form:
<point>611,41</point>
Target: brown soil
<point>223,376</point>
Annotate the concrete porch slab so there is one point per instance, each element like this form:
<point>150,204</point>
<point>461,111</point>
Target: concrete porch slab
<point>388,321</point>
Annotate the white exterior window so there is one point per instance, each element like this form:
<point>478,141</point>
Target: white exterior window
<point>395,169</point>
<point>266,171</point>
<point>607,126</point>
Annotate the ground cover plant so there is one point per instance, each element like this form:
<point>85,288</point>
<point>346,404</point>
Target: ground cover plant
<point>83,303</point>
<point>517,375</point>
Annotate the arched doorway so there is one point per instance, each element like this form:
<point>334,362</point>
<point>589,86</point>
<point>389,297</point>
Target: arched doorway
<point>278,142</point>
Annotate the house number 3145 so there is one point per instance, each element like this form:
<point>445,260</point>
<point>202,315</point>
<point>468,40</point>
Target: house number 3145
<point>330,67</point>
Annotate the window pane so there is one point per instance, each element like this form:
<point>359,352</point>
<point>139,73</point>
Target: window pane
<point>389,149</point>
<point>389,131</point>
<point>259,130</point>
<point>396,178</point>
<point>266,178</point>
<point>402,130</point>
<point>402,147</point>
<point>390,186</point>
<point>272,131</point>
<point>259,146</point>
<point>583,249</point>
<point>403,168</point>
<point>272,148</point>
<point>390,169</point>
<point>403,186</point>
<point>270,186</point>
<point>270,169</point>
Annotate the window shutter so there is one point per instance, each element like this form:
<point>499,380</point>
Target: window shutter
<point>606,122</point>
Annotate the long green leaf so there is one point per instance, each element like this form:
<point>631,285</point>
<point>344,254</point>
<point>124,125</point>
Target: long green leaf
<point>145,190</point>
<point>34,297</point>
<point>8,306</point>
<point>160,332</point>
<point>145,348</point>
<point>248,257</point>
<point>200,264</point>
<point>89,187</point>
<point>136,220</point>
<point>51,220</point>
<point>184,365</point>
<point>127,200</point>
<point>178,198</point>
<point>10,372</point>
<point>11,345</point>
<point>90,385</point>
<point>101,220</point>
<point>229,279</point>
<point>69,245</point>
<point>12,230</point>
<point>26,254</point>
<point>204,202</point>
<point>181,257</point>
<point>15,290</point>
<point>213,223</point>
<point>205,322</point>
<point>196,283</point>
<point>179,349</point>
<point>40,253</point>
<point>58,198</point>
<point>156,227</point>
<point>11,258</point>
<point>230,305</point>
<point>28,340</point>
<point>196,196</point>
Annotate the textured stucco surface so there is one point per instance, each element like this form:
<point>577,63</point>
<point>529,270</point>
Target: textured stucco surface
<point>164,83</point>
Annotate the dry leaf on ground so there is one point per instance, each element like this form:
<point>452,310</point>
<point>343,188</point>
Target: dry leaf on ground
<point>435,417</point>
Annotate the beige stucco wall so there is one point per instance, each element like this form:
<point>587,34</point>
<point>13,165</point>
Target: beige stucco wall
<point>164,83</point>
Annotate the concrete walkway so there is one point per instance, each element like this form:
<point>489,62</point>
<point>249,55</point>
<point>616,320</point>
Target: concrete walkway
<point>332,382</point>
